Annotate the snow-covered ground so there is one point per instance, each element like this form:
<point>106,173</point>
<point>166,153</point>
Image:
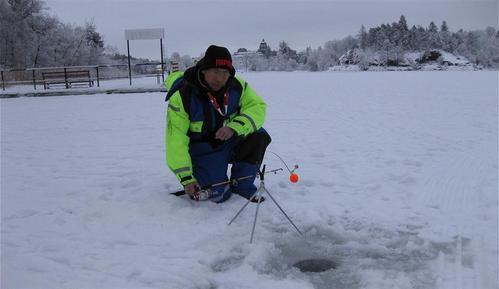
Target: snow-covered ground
<point>398,185</point>
<point>139,82</point>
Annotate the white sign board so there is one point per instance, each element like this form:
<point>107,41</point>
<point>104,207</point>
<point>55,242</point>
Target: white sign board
<point>143,34</point>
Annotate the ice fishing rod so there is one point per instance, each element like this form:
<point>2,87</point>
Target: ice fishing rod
<point>232,182</point>
<point>293,177</point>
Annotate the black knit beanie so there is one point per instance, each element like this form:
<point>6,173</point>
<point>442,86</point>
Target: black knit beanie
<point>217,57</point>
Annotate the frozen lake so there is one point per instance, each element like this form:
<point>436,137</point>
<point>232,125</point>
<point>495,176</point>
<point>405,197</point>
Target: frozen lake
<point>398,186</point>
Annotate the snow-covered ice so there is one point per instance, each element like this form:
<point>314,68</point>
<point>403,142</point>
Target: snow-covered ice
<point>398,186</point>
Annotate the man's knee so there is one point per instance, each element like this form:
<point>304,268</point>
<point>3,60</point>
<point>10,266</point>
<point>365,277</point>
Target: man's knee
<point>252,148</point>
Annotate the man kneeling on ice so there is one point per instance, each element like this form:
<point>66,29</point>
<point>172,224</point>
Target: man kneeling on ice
<point>213,119</point>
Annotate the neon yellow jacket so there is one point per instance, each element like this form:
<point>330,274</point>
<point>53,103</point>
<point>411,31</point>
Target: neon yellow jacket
<point>248,119</point>
<point>171,79</point>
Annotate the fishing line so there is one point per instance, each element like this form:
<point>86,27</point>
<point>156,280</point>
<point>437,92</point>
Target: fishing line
<point>293,177</point>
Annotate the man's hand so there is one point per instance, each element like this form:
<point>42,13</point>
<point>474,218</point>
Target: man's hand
<point>191,189</point>
<point>224,133</point>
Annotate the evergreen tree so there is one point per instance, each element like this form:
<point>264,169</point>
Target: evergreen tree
<point>432,28</point>
<point>92,37</point>
<point>413,41</point>
<point>403,34</point>
<point>444,38</point>
<point>444,27</point>
<point>286,51</point>
<point>403,23</point>
<point>363,37</point>
<point>432,36</point>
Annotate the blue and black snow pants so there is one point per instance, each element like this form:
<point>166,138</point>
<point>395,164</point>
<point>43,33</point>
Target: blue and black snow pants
<point>210,163</point>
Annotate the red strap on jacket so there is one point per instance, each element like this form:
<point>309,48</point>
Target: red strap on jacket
<point>215,104</point>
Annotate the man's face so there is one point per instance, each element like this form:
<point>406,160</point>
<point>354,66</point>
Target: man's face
<point>216,78</point>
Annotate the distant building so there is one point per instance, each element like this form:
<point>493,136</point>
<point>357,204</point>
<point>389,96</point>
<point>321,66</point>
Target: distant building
<point>242,58</point>
<point>243,52</point>
<point>263,47</point>
<point>265,50</point>
<point>245,59</point>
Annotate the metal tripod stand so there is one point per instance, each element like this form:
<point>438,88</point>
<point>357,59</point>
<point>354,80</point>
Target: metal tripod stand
<point>258,195</point>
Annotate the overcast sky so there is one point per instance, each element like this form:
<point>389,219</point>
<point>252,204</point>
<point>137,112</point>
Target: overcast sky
<point>193,25</point>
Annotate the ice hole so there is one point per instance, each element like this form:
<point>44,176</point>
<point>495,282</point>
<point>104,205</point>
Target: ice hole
<point>315,265</point>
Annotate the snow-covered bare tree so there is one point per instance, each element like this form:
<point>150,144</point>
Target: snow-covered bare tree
<point>488,54</point>
<point>17,20</point>
<point>29,37</point>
